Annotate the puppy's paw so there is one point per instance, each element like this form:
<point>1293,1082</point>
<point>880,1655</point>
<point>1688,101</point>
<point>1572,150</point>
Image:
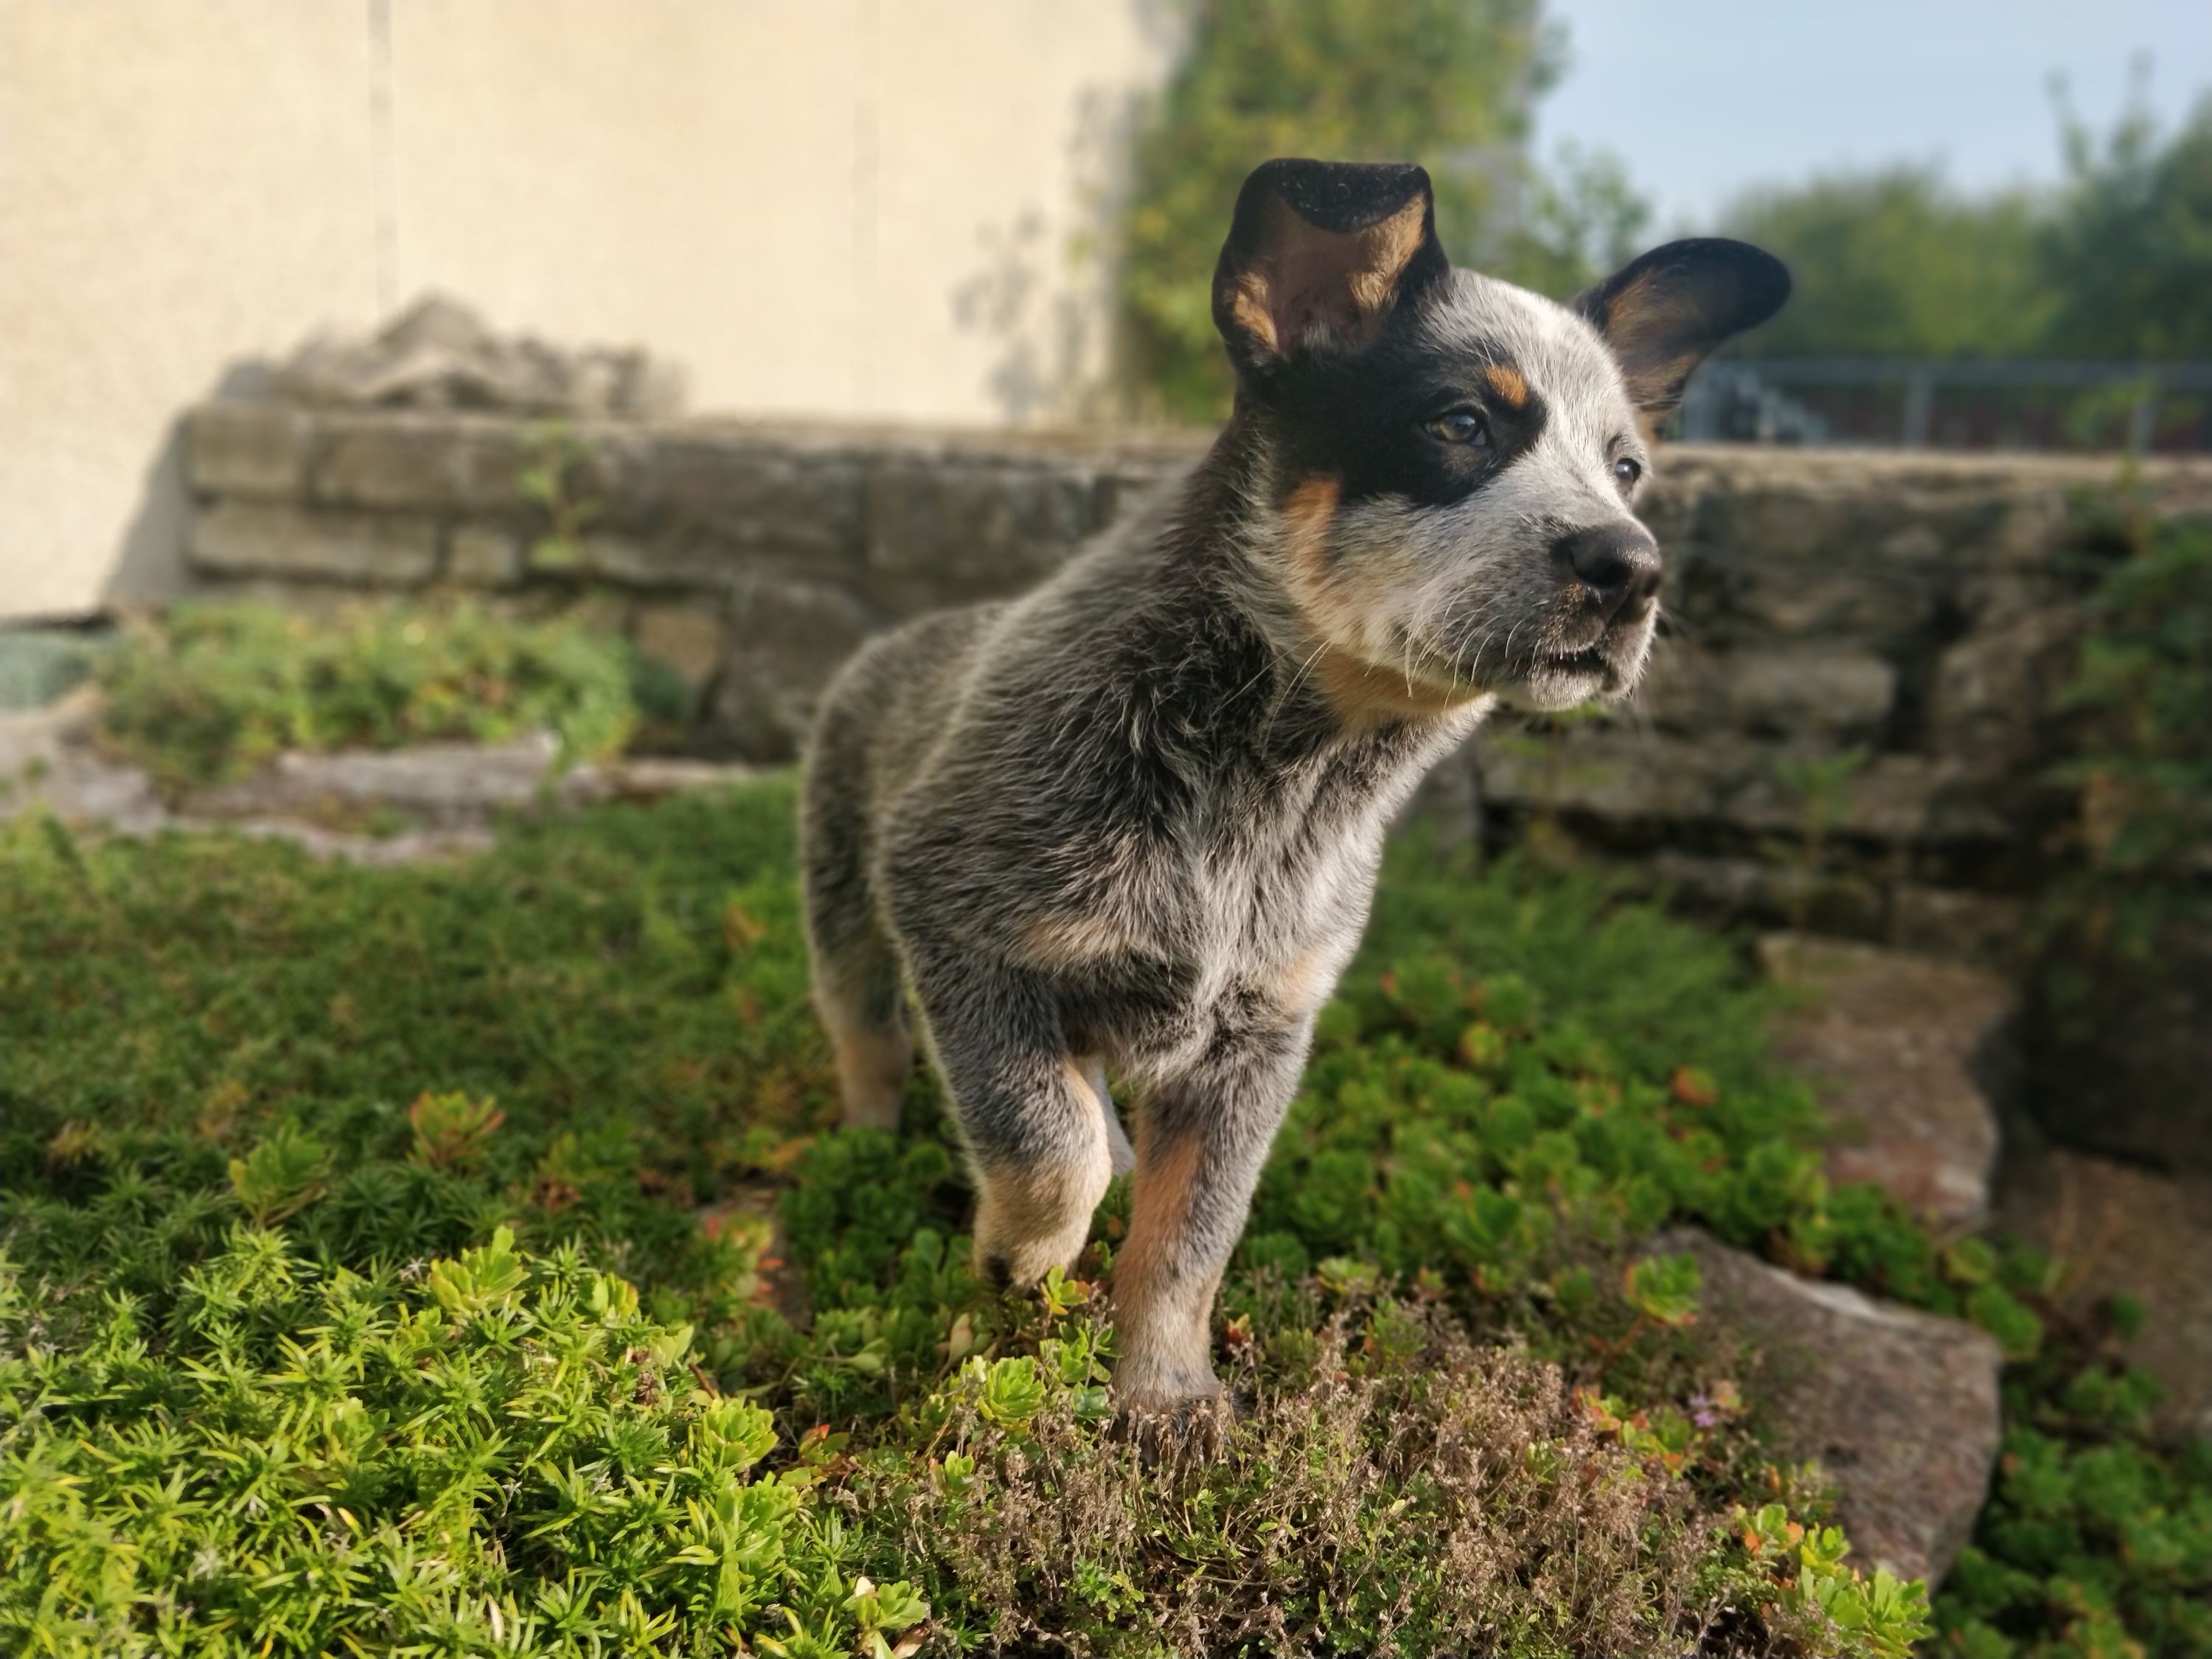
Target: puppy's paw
<point>1014,1257</point>
<point>1170,1427</point>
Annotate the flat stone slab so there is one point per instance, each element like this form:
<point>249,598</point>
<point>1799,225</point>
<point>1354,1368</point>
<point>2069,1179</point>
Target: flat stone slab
<point>438,783</point>
<point>2119,1229</point>
<point>1900,1407</point>
<point>48,764</point>
<point>1904,1051</point>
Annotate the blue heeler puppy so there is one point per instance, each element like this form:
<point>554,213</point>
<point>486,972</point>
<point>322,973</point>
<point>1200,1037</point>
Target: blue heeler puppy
<point>1130,822</point>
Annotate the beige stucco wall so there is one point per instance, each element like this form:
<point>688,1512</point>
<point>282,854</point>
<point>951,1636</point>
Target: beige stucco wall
<point>830,207</point>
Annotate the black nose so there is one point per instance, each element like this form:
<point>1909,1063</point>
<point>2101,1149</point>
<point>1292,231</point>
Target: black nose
<point>1619,562</point>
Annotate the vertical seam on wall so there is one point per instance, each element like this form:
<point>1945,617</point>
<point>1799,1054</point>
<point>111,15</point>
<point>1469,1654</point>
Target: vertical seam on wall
<point>867,54</point>
<point>384,161</point>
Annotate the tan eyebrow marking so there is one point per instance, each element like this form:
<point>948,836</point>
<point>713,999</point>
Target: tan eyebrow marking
<point>1508,384</point>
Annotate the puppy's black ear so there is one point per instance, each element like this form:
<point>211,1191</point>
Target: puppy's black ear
<point>1318,254</point>
<point>1662,313</point>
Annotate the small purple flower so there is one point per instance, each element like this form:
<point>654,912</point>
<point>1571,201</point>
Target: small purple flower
<point>1703,1413</point>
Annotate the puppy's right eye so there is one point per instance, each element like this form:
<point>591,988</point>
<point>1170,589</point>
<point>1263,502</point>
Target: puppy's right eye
<point>1458,426</point>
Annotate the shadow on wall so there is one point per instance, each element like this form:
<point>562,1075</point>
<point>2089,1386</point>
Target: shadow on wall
<point>150,570</point>
<point>1053,363</point>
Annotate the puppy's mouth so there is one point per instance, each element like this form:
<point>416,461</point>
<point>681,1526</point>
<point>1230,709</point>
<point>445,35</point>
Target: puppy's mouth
<point>1558,677</point>
<point>1589,660</point>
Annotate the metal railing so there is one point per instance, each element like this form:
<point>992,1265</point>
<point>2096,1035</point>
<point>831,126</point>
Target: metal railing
<point>1922,404</point>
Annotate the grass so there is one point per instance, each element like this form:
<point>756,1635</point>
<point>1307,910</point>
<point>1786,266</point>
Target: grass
<point>390,1266</point>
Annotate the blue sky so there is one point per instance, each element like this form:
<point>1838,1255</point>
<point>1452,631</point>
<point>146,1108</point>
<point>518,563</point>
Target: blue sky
<point>1702,97</point>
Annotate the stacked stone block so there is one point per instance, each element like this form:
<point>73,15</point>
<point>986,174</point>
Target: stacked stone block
<point>1846,725</point>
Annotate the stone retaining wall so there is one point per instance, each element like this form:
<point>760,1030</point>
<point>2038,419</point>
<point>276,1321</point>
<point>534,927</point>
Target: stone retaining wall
<point>1846,725</point>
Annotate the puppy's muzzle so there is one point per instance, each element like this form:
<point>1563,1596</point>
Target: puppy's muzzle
<point>1617,562</point>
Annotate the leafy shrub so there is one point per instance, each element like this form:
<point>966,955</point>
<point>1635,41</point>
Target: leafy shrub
<point>2143,747</point>
<point>496,1453</point>
<point>216,690</point>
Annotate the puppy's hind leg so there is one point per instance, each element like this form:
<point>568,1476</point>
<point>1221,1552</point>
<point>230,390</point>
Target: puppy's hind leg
<point>858,988</point>
<point>863,1008</point>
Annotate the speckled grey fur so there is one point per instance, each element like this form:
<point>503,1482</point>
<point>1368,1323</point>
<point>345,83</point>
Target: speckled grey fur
<point>1126,823</point>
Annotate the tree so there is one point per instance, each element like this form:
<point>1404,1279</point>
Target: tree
<point>1446,83</point>
<point>1895,265</point>
<point>1582,219</point>
<point>2129,249</point>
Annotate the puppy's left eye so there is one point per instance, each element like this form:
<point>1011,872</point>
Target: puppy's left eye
<point>1458,426</point>
<point>1626,471</point>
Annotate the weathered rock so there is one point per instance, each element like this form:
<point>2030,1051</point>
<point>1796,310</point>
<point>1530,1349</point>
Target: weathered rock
<point>1904,1051</point>
<point>972,534</point>
<point>1448,805</point>
<point>1722,778</point>
<point>1794,599</point>
<point>1901,1408</point>
<point>251,449</point>
<point>1615,776</point>
<point>2122,1230</point>
<point>374,852</point>
<point>434,783</point>
<point>438,353</point>
<point>271,538</point>
<point>1901,799</point>
<point>2128,1070</point>
<point>1829,901</point>
<point>1841,693</point>
<point>787,639</point>
<point>484,555</point>
<point>688,638</point>
<point>389,463</point>
<point>1990,687</point>
<point>694,505</point>
<point>48,764</point>
<point>442,785</point>
<point>445,797</point>
<point>1988,928</point>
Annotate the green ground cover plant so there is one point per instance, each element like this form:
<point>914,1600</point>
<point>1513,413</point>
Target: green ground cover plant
<point>211,692</point>
<point>456,1260</point>
<point>2098,1537</point>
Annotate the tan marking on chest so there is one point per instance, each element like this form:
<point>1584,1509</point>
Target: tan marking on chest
<point>1364,695</point>
<point>1301,987</point>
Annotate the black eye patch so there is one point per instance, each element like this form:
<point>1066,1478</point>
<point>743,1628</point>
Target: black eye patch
<point>1407,419</point>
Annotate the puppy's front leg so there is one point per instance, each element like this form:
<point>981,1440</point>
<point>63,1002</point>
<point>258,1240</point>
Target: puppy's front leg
<point>1034,1131</point>
<point>1202,1139</point>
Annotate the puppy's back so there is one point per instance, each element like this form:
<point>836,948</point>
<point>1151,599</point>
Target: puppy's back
<point>890,703</point>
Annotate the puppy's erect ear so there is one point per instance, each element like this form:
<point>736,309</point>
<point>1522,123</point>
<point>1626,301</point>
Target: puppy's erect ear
<point>1663,312</point>
<point>1318,254</point>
